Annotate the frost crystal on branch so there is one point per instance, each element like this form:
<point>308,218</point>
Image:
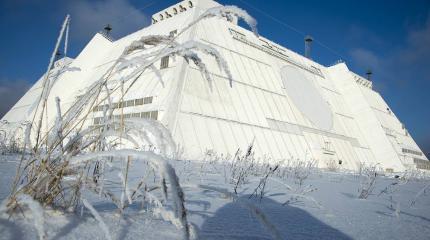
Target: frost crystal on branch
<point>229,12</point>
<point>187,50</point>
<point>152,40</point>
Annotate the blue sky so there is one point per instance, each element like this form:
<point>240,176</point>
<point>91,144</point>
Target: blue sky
<point>390,37</point>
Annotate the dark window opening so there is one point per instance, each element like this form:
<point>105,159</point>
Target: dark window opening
<point>145,115</point>
<point>173,33</point>
<point>164,62</point>
<point>130,103</point>
<point>147,100</point>
<point>154,115</point>
<point>138,102</point>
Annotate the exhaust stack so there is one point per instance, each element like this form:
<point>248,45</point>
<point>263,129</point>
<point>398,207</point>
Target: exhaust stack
<point>369,74</point>
<point>308,46</point>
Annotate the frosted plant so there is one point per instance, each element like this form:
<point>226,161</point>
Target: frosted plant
<point>126,190</point>
<point>302,170</point>
<point>333,166</point>
<point>165,170</point>
<point>11,140</point>
<point>368,181</point>
<point>46,81</point>
<point>66,38</point>
<point>187,50</point>
<point>299,171</point>
<point>154,132</point>
<point>241,167</point>
<point>228,12</point>
<point>157,73</point>
<point>151,40</point>
<point>56,133</point>
<point>259,191</point>
<point>207,49</point>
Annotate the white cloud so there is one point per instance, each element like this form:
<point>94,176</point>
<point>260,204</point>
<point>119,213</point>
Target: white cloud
<point>356,33</point>
<point>418,48</point>
<point>401,62</point>
<point>91,16</point>
<point>365,58</point>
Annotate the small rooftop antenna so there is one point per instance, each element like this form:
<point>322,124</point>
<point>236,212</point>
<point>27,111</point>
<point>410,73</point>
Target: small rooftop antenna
<point>308,46</point>
<point>369,74</point>
<point>108,29</point>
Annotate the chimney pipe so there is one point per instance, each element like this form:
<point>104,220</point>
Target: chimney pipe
<point>108,29</point>
<point>369,74</point>
<point>308,46</point>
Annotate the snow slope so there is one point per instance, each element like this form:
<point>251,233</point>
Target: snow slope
<point>333,211</point>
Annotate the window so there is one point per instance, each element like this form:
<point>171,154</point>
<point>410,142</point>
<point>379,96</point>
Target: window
<point>190,4</point>
<point>136,115</point>
<point>147,100</point>
<point>327,146</point>
<point>96,121</point>
<point>145,115</point>
<point>138,102</point>
<point>175,11</point>
<point>130,103</point>
<point>405,150</point>
<point>173,33</point>
<point>422,164</point>
<point>154,115</point>
<point>164,62</point>
<point>124,104</point>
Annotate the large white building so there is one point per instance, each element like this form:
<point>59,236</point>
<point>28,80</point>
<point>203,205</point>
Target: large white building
<point>289,105</point>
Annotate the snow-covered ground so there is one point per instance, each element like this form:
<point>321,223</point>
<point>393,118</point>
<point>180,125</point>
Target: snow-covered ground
<point>331,209</point>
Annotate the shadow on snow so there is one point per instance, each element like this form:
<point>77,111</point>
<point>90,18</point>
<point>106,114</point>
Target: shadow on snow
<point>233,221</point>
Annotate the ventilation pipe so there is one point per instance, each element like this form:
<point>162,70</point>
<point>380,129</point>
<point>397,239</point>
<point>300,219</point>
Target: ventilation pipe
<point>108,29</point>
<point>369,74</point>
<point>308,46</point>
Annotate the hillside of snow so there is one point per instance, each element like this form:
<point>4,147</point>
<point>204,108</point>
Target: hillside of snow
<point>296,204</point>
